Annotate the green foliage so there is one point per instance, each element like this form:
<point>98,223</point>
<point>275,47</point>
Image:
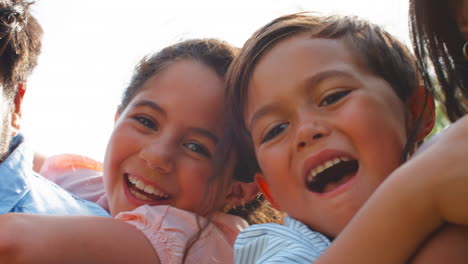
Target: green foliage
<point>441,121</point>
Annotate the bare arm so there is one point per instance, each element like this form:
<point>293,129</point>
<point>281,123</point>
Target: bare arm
<point>28,238</point>
<point>447,245</point>
<point>413,202</point>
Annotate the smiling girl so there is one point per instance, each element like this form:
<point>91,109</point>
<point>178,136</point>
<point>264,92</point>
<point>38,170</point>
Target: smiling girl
<point>159,175</point>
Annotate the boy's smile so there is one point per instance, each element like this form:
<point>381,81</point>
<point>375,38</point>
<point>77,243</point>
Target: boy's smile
<point>325,129</point>
<point>329,171</point>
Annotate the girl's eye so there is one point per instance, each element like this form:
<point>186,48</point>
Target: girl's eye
<point>198,148</point>
<point>334,97</point>
<point>272,133</point>
<point>147,122</point>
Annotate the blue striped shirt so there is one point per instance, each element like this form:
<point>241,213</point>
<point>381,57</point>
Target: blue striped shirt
<point>292,242</point>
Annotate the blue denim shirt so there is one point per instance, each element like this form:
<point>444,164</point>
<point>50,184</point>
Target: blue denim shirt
<point>23,190</point>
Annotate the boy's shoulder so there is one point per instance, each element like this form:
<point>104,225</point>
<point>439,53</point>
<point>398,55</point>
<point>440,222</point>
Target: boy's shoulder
<point>292,241</point>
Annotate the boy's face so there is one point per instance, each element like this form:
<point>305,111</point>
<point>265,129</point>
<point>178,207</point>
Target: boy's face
<point>326,131</point>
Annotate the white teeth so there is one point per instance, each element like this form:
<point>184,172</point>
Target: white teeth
<point>149,189</point>
<point>321,168</point>
<point>327,164</point>
<point>140,185</point>
<point>145,188</point>
<point>139,196</point>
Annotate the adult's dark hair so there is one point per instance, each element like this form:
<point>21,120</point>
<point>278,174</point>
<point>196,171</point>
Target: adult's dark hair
<point>20,44</point>
<point>438,45</point>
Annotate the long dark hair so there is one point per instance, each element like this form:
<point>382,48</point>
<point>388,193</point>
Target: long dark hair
<point>438,46</point>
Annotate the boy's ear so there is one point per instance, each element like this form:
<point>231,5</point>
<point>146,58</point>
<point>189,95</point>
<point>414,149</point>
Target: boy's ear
<point>421,103</point>
<point>241,193</point>
<point>16,108</point>
<point>263,185</point>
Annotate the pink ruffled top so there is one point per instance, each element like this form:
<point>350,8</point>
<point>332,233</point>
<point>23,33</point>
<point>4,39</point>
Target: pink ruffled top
<point>167,228</point>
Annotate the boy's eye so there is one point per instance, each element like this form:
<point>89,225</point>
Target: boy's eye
<point>198,148</point>
<point>333,98</point>
<point>272,133</point>
<point>147,122</point>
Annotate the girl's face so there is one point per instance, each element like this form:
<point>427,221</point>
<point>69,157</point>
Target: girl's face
<point>326,131</point>
<point>160,152</point>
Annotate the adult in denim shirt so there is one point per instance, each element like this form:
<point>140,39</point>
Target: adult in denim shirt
<point>21,189</point>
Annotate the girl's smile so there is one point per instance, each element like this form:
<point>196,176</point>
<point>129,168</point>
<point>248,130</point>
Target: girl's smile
<point>160,152</point>
<point>142,190</point>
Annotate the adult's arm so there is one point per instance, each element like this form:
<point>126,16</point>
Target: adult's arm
<point>26,238</point>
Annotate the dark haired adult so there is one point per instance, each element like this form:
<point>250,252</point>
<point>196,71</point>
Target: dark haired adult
<point>21,189</point>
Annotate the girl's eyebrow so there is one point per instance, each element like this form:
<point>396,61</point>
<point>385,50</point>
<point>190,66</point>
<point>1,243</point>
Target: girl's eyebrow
<point>152,105</point>
<point>204,132</point>
<point>196,130</point>
<point>307,83</point>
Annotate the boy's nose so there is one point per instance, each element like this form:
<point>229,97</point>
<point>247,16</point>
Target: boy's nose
<point>309,133</point>
<point>158,156</point>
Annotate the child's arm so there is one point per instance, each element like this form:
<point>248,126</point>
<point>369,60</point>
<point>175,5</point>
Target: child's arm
<point>28,238</point>
<point>447,245</point>
<point>413,202</point>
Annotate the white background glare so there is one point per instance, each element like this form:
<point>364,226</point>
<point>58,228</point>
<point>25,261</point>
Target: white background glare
<point>90,48</point>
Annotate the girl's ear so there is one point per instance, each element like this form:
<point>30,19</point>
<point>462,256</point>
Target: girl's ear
<point>263,185</point>
<point>241,193</point>
<point>421,103</point>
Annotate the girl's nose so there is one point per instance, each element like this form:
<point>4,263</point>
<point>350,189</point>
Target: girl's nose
<point>311,131</point>
<point>158,156</point>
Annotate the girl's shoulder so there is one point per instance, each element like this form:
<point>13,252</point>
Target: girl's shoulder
<point>170,229</point>
<point>77,174</point>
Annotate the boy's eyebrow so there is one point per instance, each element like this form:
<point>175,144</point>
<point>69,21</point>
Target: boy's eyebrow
<point>264,110</point>
<point>151,105</point>
<point>313,81</point>
<point>205,133</point>
<point>320,77</point>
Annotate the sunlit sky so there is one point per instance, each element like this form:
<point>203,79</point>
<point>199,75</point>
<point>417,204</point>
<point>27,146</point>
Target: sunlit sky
<point>90,48</point>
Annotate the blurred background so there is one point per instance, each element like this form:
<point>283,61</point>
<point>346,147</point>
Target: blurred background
<point>90,48</point>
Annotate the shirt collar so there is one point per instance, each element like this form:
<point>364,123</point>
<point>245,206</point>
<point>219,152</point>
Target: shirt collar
<point>14,171</point>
